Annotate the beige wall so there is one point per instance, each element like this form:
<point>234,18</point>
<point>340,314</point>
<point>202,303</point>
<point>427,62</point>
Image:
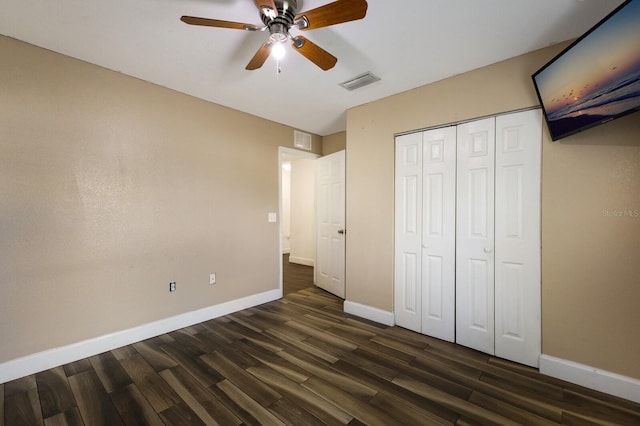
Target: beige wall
<point>591,247</point>
<point>112,187</point>
<point>590,263</point>
<point>303,211</point>
<point>334,143</point>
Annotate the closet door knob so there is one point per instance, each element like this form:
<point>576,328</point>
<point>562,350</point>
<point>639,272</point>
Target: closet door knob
<point>487,250</point>
<point>424,246</point>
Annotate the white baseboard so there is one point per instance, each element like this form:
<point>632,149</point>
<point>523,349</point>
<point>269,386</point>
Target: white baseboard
<point>301,261</point>
<point>590,377</point>
<point>34,363</point>
<point>369,312</point>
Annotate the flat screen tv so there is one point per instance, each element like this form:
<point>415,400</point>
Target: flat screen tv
<point>597,78</point>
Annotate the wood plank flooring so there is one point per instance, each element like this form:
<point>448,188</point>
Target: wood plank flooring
<point>295,277</point>
<point>301,361</point>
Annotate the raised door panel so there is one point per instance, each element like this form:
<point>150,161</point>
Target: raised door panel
<point>438,233</point>
<point>475,235</point>
<point>517,237</point>
<point>408,232</point>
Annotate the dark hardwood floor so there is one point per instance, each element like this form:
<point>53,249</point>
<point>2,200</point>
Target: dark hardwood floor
<point>300,361</point>
<point>295,277</point>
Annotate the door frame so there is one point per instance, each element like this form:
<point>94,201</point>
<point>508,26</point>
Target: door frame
<point>283,153</point>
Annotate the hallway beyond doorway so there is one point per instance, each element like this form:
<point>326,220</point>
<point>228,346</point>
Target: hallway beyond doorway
<point>295,277</point>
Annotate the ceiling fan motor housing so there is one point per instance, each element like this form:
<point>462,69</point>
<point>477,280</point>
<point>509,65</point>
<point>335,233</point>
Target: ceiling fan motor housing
<point>280,24</point>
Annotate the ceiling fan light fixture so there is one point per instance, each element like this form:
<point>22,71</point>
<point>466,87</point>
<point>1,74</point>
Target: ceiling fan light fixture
<point>278,38</point>
<point>279,32</point>
<point>277,51</point>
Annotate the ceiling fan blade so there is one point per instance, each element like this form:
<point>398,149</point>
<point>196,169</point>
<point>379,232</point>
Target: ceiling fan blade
<point>260,57</point>
<point>314,53</point>
<point>265,6</point>
<point>330,14</point>
<point>193,20</point>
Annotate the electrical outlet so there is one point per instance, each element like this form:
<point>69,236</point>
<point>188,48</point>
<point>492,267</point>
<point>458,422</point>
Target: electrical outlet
<point>172,286</point>
<point>212,278</point>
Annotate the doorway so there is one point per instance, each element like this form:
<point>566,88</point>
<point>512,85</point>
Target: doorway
<point>297,225</point>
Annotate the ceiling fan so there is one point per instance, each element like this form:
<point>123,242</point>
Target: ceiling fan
<point>278,16</point>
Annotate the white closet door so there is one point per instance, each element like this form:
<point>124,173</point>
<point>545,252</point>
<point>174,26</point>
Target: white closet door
<point>439,233</point>
<point>517,237</point>
<point>475,235</point>
<point>408,232</point>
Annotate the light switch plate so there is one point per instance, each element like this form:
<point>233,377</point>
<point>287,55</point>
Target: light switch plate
<point>273,217</point>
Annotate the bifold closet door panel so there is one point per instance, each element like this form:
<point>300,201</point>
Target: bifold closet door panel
<point>439,233</point>
<point>475,235</point>
<point>408,232</point>
<point>517,237</point>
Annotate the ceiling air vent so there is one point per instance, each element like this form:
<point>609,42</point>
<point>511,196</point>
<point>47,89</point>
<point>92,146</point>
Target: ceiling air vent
<point>301,140</point>
<point>360,81</point>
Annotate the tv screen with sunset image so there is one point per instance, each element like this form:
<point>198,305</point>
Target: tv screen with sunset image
<point>597,78</point>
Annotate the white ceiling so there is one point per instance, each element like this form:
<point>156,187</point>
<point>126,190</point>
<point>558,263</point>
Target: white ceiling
<point>408,43</point>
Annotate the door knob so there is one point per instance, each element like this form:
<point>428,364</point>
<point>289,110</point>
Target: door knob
<point>341,231</point>
<point>487,250</point>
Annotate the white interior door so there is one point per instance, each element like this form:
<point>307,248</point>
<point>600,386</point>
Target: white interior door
<point>408,232</point>
<point>330,253</point>
<point>475,235</point>
<point>517,237</point>
<point>439,233</point>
